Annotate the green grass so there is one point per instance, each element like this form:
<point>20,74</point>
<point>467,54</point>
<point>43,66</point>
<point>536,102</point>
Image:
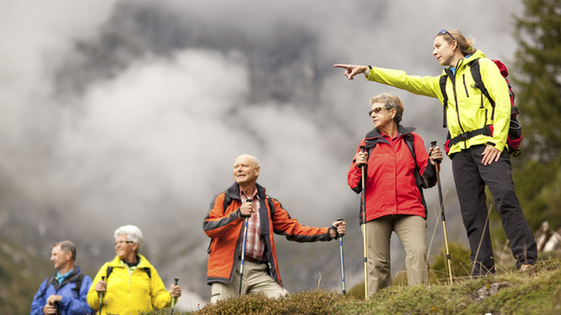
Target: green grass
<point>537,291</point>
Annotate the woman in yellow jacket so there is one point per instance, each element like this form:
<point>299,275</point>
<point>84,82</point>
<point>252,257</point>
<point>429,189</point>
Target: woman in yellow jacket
<point>131,283</point>
<point>479,159</point>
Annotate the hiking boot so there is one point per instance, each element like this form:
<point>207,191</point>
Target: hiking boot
<point>526,267</point>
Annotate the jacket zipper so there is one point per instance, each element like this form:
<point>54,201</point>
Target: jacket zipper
<point>456,99</point>
<point>465,86</point>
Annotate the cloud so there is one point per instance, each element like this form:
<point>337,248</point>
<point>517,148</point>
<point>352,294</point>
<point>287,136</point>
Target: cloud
<point>153,138</point>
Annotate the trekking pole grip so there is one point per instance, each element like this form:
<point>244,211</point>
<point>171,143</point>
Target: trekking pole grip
<point>174,300</point>
<point>340,235</point>
<point>103,279</point>
<point>432,145</point>
<point>100,294</point>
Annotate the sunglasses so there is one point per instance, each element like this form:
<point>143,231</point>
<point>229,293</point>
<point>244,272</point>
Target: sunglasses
<point>377,110</point>
<point>123,242</point>
<point>444,32</point>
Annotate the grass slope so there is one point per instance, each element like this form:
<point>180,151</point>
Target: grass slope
<point>537,291</point>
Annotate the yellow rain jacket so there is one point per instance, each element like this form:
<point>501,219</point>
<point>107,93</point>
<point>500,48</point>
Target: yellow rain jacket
<point>468,109</point>
<point>130,291</point>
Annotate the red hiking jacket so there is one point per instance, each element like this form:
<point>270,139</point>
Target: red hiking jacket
<point>390,183</point>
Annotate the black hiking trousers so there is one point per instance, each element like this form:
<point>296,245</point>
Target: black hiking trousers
<point>471,177</point>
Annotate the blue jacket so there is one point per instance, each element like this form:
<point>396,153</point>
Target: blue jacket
<point>72,303</point>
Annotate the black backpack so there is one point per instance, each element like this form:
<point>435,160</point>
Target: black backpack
<point>515,129</point>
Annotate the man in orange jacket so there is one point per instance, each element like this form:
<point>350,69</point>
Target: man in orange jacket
<point>224,225</point>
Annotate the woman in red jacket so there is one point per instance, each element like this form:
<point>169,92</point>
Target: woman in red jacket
<point>397,165</point>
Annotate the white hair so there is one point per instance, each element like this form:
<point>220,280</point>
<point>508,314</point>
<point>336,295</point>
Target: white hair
<point>132,232</point>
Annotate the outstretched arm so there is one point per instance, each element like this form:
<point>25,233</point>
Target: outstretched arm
<point>352,70</point>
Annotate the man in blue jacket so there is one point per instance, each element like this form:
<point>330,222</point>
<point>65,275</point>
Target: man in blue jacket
<point>65,292</point>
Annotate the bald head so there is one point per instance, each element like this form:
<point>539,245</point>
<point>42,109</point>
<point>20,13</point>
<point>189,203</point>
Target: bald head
<point>246,170</point>
<point>248,157</point>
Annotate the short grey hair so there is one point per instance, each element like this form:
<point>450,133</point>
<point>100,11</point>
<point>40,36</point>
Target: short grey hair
<point>132,232</point>
<point>390,101</point>
<point>67,246</point>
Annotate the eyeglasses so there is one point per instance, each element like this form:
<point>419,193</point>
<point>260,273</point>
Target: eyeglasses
<point>444,32</point>
<point>377,110</point>
<point>123,242</point>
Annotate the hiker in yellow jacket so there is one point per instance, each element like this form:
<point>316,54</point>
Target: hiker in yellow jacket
<point>131,283</point>
<point>479,158</point>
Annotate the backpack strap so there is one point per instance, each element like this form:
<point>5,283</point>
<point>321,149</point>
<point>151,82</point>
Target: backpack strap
<point>476,74</point>
<point>108,272</point>
<point>271,205</point>
<point>78,283</point>
<point>148,271</point>
<point>445,100</point>
<point>50,281</point>
<point>417,172</point>
<point>418,178</point>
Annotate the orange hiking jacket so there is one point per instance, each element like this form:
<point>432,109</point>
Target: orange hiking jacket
<point>224,227</point>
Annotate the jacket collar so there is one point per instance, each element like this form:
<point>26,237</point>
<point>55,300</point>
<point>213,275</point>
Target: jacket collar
<point>71,278</point>
<point>465,61</point>
<point>116,262</point>
<point>401,131</point>
<point>234,191</point>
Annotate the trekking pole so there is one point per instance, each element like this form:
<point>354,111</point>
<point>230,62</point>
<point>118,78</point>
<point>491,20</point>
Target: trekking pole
<point>101,296</point>
<point>243,251</point>
<point>342,261</point>
<point>173,300</point>
<point>433,144</point>
<point>365,240</point>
